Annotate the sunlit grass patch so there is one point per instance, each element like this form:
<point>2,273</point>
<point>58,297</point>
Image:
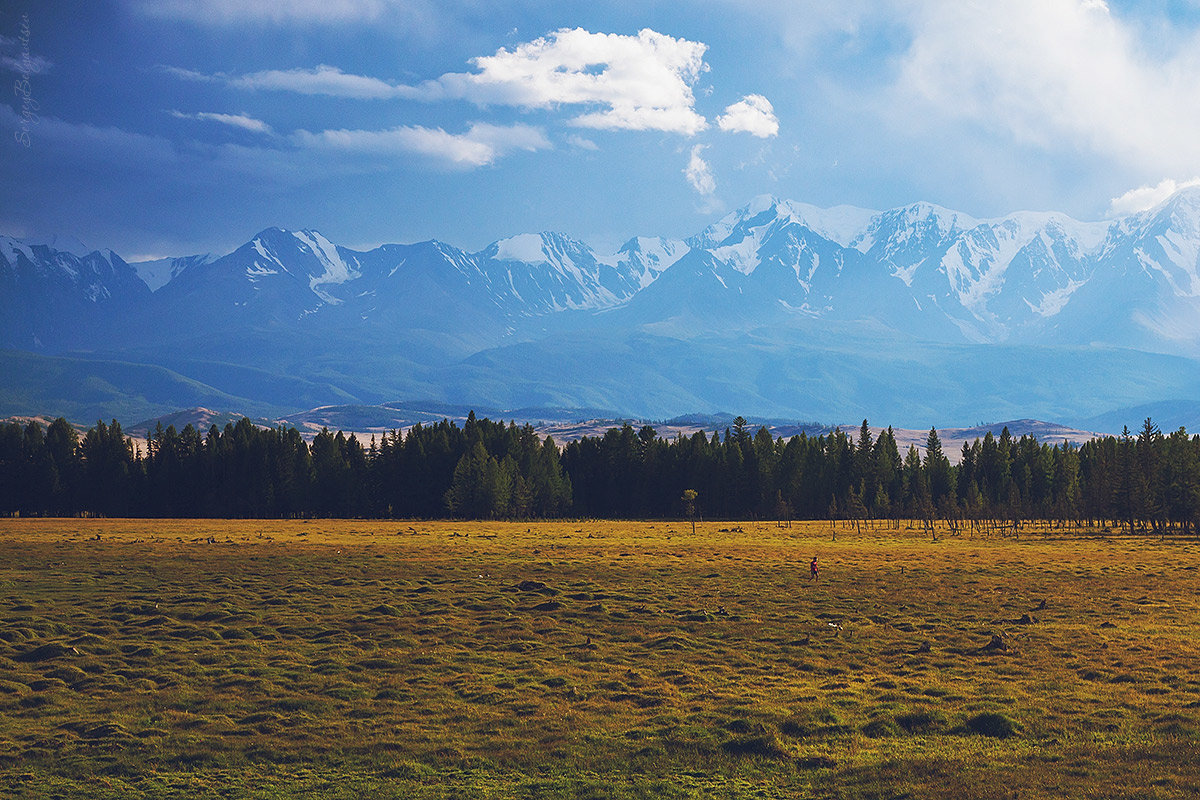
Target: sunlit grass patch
<point>509,658</point>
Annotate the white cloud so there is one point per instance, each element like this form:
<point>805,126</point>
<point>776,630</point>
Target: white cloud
<point>321,80</point>
<point>188,74</point>
<point>481,145</point>
<point>641,82</point>
<point>989,86</point>
<point>1147,197</point>
<point>582,143</point>
<point>1055,74</point>
<point>507,138</point>
<point>752,114</point>
<point>698,173</point>
<point>235,120</point>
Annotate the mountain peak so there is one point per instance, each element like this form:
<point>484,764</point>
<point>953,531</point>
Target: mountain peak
<point>62,244</point>
<point>763,203</point>
<point>840,224</point>
<point>737,225</point>
<point>270,233</point>
<point>924,211</point>
<point>1184,204</point>
<point>536,248</point>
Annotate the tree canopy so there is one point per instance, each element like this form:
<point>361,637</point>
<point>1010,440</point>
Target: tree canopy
<point>486,469</point>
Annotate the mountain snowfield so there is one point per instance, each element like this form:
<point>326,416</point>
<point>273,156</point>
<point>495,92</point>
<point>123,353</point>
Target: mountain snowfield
<point>778,308</point>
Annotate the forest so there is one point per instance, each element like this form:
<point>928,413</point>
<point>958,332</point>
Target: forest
<point>1145,482</point>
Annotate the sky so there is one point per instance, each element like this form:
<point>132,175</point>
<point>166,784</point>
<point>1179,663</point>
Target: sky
<point>171,127</point>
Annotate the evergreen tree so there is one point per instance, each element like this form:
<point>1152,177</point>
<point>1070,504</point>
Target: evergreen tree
<point>937,471</point>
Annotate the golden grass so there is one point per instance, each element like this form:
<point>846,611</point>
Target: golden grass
<point>402,659</point>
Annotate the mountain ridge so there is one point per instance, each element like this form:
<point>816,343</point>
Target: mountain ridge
<point>776,308</point>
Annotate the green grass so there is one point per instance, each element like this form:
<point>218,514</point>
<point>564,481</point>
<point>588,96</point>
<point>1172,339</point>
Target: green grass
<point>590,659</point>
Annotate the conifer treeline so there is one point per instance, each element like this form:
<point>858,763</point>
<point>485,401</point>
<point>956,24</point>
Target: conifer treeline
<point>486,469</point>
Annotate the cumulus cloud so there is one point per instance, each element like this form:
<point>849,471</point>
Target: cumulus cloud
<point>618,82</point>
<point>1147,197</point>
<point>481,145</point>
<point>698,173</point>
<point>641,82</point>
<point>242,121</point>
<point>753,114</point>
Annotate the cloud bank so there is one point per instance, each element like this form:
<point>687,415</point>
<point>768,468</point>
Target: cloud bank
<point>1072,78</point>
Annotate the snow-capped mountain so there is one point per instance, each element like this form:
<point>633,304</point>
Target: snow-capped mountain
<point>158,272</point>
<point>542,273</point>
<point>1146,285</point>
<point>920,269</point>
<point>809,296</point>
<point>53,293</point>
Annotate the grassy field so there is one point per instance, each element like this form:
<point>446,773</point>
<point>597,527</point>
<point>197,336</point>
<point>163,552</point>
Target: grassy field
<point>345,659</point>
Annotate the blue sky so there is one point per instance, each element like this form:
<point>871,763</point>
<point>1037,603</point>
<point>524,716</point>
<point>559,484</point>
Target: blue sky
<point>170,127</point>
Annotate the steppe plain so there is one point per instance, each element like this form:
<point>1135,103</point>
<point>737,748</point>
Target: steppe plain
<point>588,659</point>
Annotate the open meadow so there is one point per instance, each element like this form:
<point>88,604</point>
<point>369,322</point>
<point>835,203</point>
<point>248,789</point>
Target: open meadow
<point>345,659</point>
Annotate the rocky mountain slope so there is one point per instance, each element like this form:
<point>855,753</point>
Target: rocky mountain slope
<point>777,308</point>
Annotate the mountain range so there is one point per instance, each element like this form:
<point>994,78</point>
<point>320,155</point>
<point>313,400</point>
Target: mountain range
<point>917,315</point>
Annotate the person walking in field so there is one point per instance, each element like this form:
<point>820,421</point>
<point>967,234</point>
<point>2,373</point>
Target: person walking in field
<point>812,569</point>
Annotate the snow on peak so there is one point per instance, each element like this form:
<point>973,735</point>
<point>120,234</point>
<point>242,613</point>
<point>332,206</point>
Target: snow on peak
<point>1184,210</point>
<point>943,219</point>
<point>914,226</point>
<point>841,224</point>
<point>527,247</point>
<point>11,247</point>
<point>539,248</point>
<point>646,257</point>
<point>261,249</point>
<point>336,270</point>
<point>761,204</point>
<point>752,216</point>
<point>158,272</point>
<point>64,245</point>
<point>662,252</point>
